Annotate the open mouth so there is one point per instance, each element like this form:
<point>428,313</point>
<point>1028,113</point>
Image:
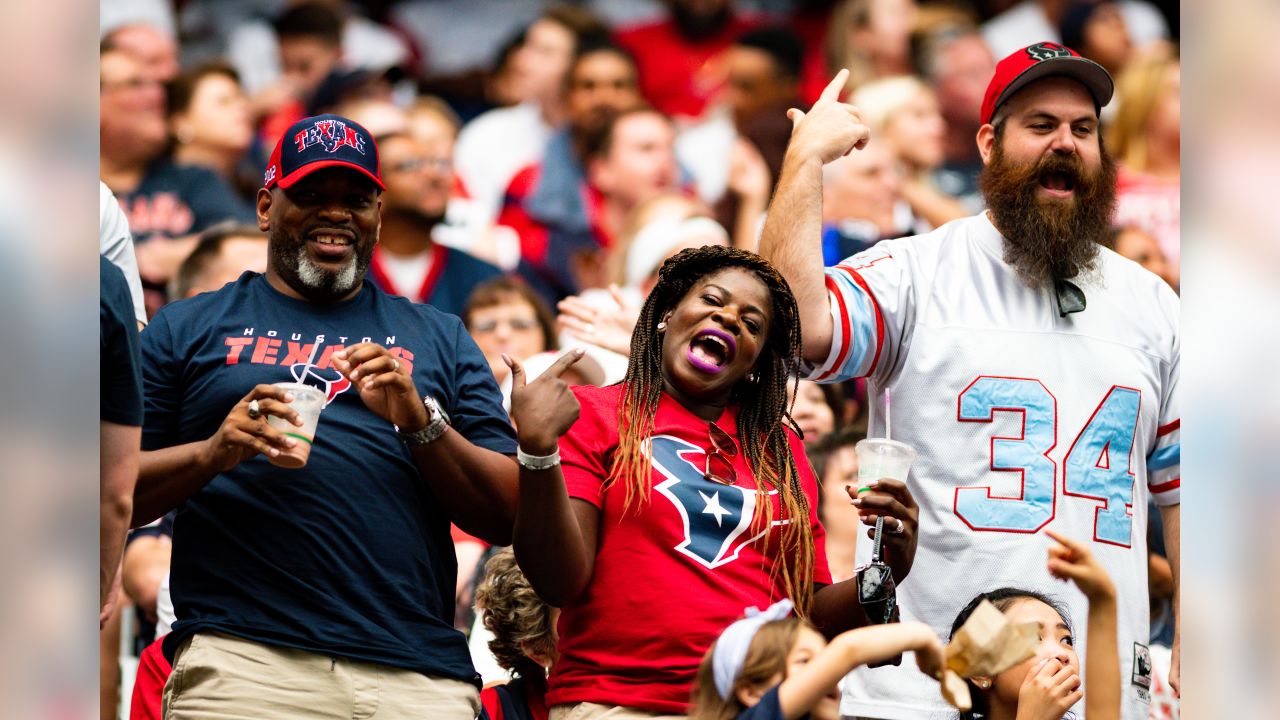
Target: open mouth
<point>711,350</point>
<point>1058,182</point>
<point>329,244</point>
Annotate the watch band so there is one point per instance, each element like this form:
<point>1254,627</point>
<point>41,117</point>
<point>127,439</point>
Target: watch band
<point>437,424</point>
<point>537,462</point>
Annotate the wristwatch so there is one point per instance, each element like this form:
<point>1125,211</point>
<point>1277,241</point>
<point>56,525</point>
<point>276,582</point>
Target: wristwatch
<point>437,423</point>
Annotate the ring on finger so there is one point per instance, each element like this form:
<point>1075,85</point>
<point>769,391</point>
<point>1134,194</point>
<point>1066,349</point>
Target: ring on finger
<point>900,527</point>
<point>255,412</point>
<point>395,365</point>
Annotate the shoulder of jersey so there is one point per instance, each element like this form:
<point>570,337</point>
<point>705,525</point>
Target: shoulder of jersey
<point>924,244</point>
<point>1146,289</point>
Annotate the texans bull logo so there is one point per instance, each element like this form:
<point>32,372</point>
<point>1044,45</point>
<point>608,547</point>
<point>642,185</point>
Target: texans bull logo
<point>717,518</point>
<point>331,135</point>
<point>1047,51</point>
<point>329,380</point>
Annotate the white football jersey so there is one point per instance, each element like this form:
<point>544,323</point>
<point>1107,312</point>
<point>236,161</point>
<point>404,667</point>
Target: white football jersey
<point>1023,420</point>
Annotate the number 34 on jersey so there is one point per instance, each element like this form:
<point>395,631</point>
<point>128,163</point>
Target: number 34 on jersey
<point>1098,466</point>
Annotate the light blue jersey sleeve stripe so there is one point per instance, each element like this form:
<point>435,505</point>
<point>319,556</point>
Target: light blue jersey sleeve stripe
<point>862,324</point>
<point>1165,457</point>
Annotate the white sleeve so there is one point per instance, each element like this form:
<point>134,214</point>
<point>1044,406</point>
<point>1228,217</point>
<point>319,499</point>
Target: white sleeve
<point>871,306</point>
<point>115,243</point>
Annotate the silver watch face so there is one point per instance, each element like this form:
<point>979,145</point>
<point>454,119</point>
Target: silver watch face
<point>434,410</point>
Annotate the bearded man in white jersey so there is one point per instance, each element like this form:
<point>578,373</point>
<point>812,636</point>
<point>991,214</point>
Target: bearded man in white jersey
<point>1035,372</point>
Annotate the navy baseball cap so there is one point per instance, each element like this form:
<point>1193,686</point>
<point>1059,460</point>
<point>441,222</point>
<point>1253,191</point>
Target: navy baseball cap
<point>320,142</point>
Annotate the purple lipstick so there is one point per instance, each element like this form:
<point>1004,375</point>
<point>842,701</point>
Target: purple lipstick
<point>711,350</point>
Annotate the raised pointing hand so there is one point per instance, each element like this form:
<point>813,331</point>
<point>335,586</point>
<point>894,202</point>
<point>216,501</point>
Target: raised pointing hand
<point>831,129</point>
<point>544,409</point>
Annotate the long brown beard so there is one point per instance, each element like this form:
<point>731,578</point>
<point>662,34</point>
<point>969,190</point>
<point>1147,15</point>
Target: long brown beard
<point>1049,239</point>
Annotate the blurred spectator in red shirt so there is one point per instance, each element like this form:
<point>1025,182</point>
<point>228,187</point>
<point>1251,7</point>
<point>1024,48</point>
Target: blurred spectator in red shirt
<point>407,260</point>
<point>310,48</point>
<point>546,205</point>
<point>1145,137</point>
<point>634,161</point>
<point>498,143</point>
<point>681,58</point>
<point>956,63</point>
<point>736,152</point>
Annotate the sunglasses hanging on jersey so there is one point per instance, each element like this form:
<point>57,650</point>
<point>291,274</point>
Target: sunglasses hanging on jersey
<point>719,467</point>
<point>1070,298</point>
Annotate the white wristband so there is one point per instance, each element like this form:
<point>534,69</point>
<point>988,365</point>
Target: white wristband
<point>537,462</point>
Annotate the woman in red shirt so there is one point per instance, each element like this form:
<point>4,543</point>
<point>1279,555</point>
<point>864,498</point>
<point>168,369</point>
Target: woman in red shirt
<point>655,510</point>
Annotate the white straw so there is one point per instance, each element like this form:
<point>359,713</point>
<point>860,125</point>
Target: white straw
<point>887,436</point>
<point>306,369</point>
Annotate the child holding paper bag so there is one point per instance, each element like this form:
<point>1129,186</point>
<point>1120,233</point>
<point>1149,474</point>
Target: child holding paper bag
<point>1047,684</point>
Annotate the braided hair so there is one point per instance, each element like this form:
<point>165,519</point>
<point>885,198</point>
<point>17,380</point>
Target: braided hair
<point>764,412</point>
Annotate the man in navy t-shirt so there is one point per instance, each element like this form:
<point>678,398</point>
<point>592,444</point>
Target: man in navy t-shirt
<point>324,591</point>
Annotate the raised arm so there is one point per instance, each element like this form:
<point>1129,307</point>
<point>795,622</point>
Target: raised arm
<point>1070,560</point>
<point>793,229</point>
<point>802,690</point>
<point>555,535</point>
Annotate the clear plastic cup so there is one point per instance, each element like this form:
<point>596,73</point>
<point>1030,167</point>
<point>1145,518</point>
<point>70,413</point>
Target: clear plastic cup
<point>882,458</point>
<point>308,401</point>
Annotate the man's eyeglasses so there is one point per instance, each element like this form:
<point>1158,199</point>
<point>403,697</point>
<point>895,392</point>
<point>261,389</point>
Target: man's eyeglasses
<point>518,324</point>
<point>133,84</point>
<point>719,466</point>
<point>415,164</point>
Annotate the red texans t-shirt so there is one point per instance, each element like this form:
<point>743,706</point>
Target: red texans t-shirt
<point>672,572</point>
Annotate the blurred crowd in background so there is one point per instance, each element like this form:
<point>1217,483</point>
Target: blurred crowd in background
<point>542,161</point>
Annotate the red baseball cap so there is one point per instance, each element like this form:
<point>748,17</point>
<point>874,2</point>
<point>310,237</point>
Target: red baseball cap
<point>1035,62</point>
<point>320,142</point>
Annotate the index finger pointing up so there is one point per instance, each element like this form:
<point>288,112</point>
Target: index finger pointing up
<point>564,362</point>
<point>836,86</point>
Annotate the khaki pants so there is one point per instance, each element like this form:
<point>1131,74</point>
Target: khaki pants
<point>592,711</point>
<point>228,678</point>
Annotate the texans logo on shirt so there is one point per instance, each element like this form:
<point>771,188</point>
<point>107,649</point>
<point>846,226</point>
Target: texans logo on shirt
<point>716,517</point>
<point>331,135</point>
<point>329,380</point>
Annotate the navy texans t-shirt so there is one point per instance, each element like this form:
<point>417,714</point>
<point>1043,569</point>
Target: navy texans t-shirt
<point>351,555</point>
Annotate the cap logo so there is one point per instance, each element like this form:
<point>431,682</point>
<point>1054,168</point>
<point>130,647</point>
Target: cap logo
<point>330,135</point>
<point>270,174</point>
<point>1047,51</point>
